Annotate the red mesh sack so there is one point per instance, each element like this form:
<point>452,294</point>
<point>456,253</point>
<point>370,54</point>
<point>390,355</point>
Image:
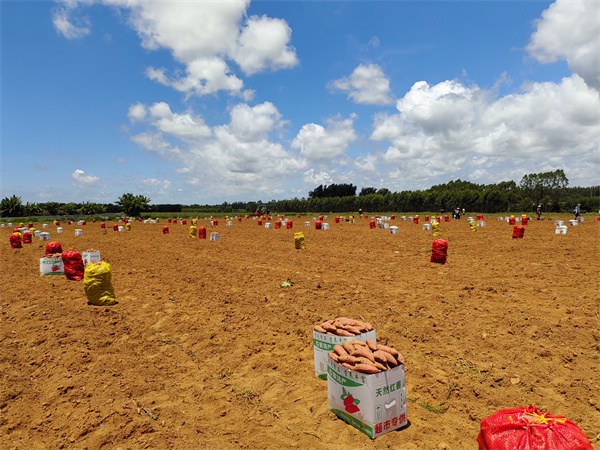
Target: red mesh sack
<point>53,247</point>
<point>439,251</point>
<point>416,220</point>
<point>165,230</point>
<point>372,224</point>
<point>202,233</point>
<point>511,221</point>
<point>27,238</point>
<point>289,224</point>
<point>318,225</point>
<point>115,227</point>
<point>73,263</point>
<point>527,428</point>
<point>518,232</point>
<point>15,241</point>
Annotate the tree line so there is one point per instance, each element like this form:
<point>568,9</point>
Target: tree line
<point>548,189</point>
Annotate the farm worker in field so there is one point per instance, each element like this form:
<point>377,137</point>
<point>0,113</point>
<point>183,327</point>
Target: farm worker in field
<point>360,212</point>
<point>576,211</point>
<point>538,211</point>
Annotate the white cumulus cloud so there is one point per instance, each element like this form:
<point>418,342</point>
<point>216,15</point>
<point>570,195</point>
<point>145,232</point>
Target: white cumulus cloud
<point>570,30</point>
<point>83,180</point>
<point>319,143</point>
<point>366,85</point>
<point>450,128</point>
<point>204,36</point>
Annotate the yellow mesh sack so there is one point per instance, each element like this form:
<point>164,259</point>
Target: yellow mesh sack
<point>299,241</point>
<point>97,284</point>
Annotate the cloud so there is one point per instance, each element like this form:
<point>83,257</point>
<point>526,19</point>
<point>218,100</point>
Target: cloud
<point>226,159</point>
<point>317,143</point>
<point>204,36</point>
<point>69,26</point>
<point>82,180</point>
<point>154,141</point>
<point>137,113</point>
<point>569,30</point>
<point>449,129</point>
<point>263,44</point>
<point>153,182</point>
<point>181,126</point>
<point>366,85</point>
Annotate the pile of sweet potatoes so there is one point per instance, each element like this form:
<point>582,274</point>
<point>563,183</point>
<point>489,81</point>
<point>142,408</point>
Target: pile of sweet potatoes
<point>366,357</point>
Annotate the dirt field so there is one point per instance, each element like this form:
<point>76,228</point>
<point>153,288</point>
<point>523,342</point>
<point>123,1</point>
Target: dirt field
<point>206,350</point>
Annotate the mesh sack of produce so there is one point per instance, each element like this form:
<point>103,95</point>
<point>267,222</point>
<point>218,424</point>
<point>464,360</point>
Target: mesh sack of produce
<point>53,247</point>
<point>27,238</point>
<point>165,230</point>
<point>527,428</point>
<point>439,251</point>
<point>202,233</point>
<point>97,284</point>
<point>73,263</point>
<point>299,241</point>
<point>15,240</point>
<point>518,232</point>
<point>193,231</point>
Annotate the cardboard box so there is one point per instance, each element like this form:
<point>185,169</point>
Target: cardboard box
<point>52,266</point>
<point>374,404</point>
<point>90,257</point>
<point>323,344</point>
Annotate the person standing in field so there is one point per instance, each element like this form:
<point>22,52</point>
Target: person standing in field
<point>576,211</point>
<point>538,211</point>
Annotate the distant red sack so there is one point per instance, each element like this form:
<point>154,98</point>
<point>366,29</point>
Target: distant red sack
<point>527,428</point>
<point>15,241</point>
<point>53,247</point>
<point>73,262</point>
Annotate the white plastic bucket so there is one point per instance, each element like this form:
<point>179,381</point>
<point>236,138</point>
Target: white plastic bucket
<point>45,225</point>
<point>59,230</point>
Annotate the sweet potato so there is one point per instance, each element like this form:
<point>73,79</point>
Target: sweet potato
<point>339,350</point>
<point>348,366</point>
<point>390,350</point>
<point>329,327</point>
<point>365,368</point>
<point>347,359</point>
<point>320,329</point>
<point>342,332</point>
<point>357,342</point>
<point>348,347</point>
<point>381,356</point>
<point>371,344</point>
<point>364,352</point>
<point>334,356</point>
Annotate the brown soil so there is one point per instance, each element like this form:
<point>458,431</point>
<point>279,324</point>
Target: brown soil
<point>206,350</point>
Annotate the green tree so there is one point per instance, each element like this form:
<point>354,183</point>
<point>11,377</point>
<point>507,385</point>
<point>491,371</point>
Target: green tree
<point>367,191</point>
<point>11,207</point>
<point>68,209</point>
<point>33,209</point>
<point>90,208</point>
<point>133,205</point>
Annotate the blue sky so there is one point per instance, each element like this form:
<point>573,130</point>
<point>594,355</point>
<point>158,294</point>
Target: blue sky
<point>206,102</point>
